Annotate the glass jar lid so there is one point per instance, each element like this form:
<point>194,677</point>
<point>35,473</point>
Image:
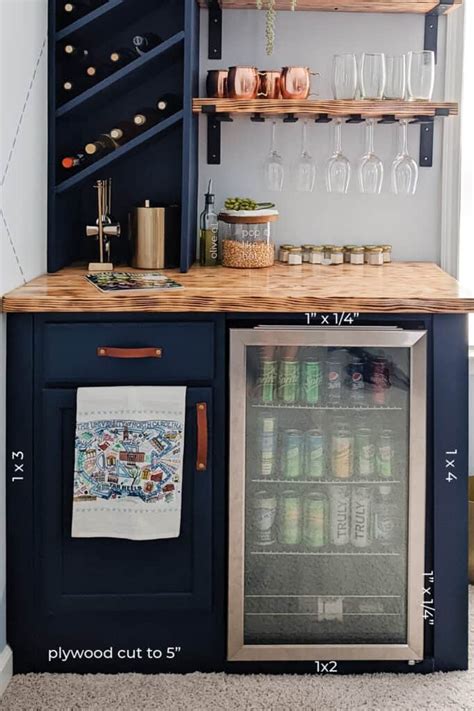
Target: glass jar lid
<point>295,250</point>
<point>357,250</point>
<point>317,248</point>
<point>338,250</point>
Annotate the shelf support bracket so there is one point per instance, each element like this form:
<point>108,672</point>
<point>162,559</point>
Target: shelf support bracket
<point>426,144</point>
<point>431,33</point>
<point>215,29</point>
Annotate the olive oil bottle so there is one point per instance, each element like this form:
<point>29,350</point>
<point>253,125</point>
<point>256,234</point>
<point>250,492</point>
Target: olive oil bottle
<point>208,229</point>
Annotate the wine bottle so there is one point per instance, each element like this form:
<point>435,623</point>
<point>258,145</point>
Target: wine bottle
<point>168,104</point>
<point>146,117</point>
<point>69,162</point>
<point>77,7</point>
<point>121,57</point>
<point>74,52</point>
<point>71,88</point>
<point>104,144</point>
<point>144,43</point>
<point>123,131</point>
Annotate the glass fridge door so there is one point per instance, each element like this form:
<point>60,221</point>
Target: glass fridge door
<point>327,494</point>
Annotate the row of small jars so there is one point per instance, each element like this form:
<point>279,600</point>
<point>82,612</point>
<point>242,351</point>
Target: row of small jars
<point>376,255</point>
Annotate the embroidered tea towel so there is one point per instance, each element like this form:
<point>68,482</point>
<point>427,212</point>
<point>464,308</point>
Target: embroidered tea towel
<point>128,462</point>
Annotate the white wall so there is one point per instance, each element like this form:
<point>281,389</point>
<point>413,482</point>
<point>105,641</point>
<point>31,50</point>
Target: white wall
<point>23,163</point>
<point>412,225</point>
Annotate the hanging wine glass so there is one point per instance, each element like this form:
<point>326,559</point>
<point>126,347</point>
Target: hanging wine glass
<point>338,168</point>
<point>305,169</point>
<point>404,167</point>
<point>370,167</point>
<point>273,170</point>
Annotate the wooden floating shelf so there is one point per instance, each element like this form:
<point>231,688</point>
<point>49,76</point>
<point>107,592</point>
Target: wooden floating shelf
<point>421,7</point>
<point>129,69</point>
<point>88,18</point>
<point>399,109</point>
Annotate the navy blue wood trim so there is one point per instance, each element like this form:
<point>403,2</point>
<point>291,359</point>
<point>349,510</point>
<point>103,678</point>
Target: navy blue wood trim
<point>86,20</point>
<point>124,73</point>
<point>21,623</point>
<point>119,153</point>
<point>190,137</point>
<point>450,407</point>
<point>55,251</point>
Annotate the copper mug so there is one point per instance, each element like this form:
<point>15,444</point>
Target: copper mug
<point>242,83</point>
<point>269,84</point>
<point>216,83</point>
<point>295,82</point>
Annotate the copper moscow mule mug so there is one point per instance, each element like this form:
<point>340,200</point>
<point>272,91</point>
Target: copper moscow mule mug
<point>269,84</point>
<point>216,83</point>
<point>242,83</point>
<point>296,82</point>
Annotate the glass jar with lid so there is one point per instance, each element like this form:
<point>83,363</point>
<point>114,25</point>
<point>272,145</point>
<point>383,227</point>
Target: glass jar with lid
<point>367,248</point>
<point>375,256</point>
<point>347,252</point>
<point>283,252</point>
<point>247,239</point>
<point>295,256</point>
<point>357,255</point>
<point>306,250</point>
<point>337,255</point>
<point>316,255</point>
<point>387,253</point>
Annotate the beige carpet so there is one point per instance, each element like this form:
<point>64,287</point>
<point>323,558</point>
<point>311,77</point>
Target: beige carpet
<point>218,692</point>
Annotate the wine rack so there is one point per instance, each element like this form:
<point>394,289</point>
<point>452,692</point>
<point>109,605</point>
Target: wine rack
<point>157,162</point>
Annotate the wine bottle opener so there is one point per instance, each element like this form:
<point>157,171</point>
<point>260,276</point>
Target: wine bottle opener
<point>105,228</point>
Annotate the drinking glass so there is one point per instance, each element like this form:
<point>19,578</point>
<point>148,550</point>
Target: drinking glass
<point>274,173</point>
<point>395,84</point>
<point>338,169</point>
<point>370,167</point>
<point>404,167</point>
<point>372,76</point>
<point>421,75</point>
<point>305,170</point>
<point>344,76</point>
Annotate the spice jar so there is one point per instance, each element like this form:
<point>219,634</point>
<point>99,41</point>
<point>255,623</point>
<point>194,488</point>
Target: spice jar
<point>295,256</point>
<point>375,256</point>
<point>283,252</point>
<point>347,252</point>
<point>357,255</point>
<point>246,238</point>
<point>387,253</point>
<point>367,249</point>
<point>327,250</point>
<point>337,255</point>
<point>316,255</point>
<point>306,249</point>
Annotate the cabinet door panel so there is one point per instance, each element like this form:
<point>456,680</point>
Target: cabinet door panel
<point>114,574</point>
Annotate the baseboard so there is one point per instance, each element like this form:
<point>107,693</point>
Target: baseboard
<point>6,668</point>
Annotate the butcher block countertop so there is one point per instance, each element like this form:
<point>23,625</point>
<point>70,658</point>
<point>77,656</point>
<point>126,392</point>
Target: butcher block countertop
<point>400,287</point>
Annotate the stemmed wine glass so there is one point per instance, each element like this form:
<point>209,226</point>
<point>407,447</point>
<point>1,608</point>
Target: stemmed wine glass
<point>305,169</point>
<point>338,169</point>
<point>404,167</point>
<point>370,167</point>
<point>274,173</point>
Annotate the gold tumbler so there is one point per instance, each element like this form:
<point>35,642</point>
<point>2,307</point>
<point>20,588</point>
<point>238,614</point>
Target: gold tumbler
<point>147,231</point>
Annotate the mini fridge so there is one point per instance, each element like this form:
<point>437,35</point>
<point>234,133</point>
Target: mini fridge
<point>327,494</point>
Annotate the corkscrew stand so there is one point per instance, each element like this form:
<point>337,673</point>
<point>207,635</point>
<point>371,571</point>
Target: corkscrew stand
<point>105,228</point>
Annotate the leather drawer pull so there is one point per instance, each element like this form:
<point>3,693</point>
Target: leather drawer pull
<point>106,352</point>
<point>202,436</point>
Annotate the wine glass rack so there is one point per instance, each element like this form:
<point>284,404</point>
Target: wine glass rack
<point>158,162</point>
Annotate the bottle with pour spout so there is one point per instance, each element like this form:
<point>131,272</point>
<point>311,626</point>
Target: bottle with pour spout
<point>208,231</point>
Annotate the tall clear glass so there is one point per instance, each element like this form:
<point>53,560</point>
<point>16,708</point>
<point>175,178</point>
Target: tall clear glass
<point>395,85</point>
<point>370,166</point>
<point>338,169</point>
<point>421,75</point>
<point>305,169</point>
<point>372,75</point>
<point>273,170</point>
<point>404,167</point>
<point>344,76</point>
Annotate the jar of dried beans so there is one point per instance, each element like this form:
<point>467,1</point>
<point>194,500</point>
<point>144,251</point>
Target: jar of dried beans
<point>247,238</point>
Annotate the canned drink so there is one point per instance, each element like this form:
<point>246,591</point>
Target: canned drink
<point>361,512</point>
<point>342,454</point>
<point>267,443</point>
<point>386,518</point>
<point>267,424</point>
<point>355,382</point>
<point>314,526</point>
<point>264,513</point>
<point>310,382</point>
<point>314,455</point>
<point>334,381</point>
<point>268,381</point>
<point>380,379</point>
<point>364,453</point>
<point>384,455</point>
<point>289,381</point>
<point>290,518</point>
<point>339,515</point>
<point>292,451</point>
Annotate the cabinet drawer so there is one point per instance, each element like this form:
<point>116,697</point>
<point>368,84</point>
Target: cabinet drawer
<point>126,352</point>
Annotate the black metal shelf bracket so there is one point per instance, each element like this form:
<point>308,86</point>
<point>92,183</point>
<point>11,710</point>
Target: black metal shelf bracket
<point>355,118</point>
<point>322,118</point>
<point>215,29</point>
<point>257,118</point>
<point>431,25</point>
<point>290,118</point>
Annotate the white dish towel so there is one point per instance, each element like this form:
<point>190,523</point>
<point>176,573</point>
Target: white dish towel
<point>128,466</point>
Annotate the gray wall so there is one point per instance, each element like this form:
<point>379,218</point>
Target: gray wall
<point>412,225</point>
<point>23,162</point>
